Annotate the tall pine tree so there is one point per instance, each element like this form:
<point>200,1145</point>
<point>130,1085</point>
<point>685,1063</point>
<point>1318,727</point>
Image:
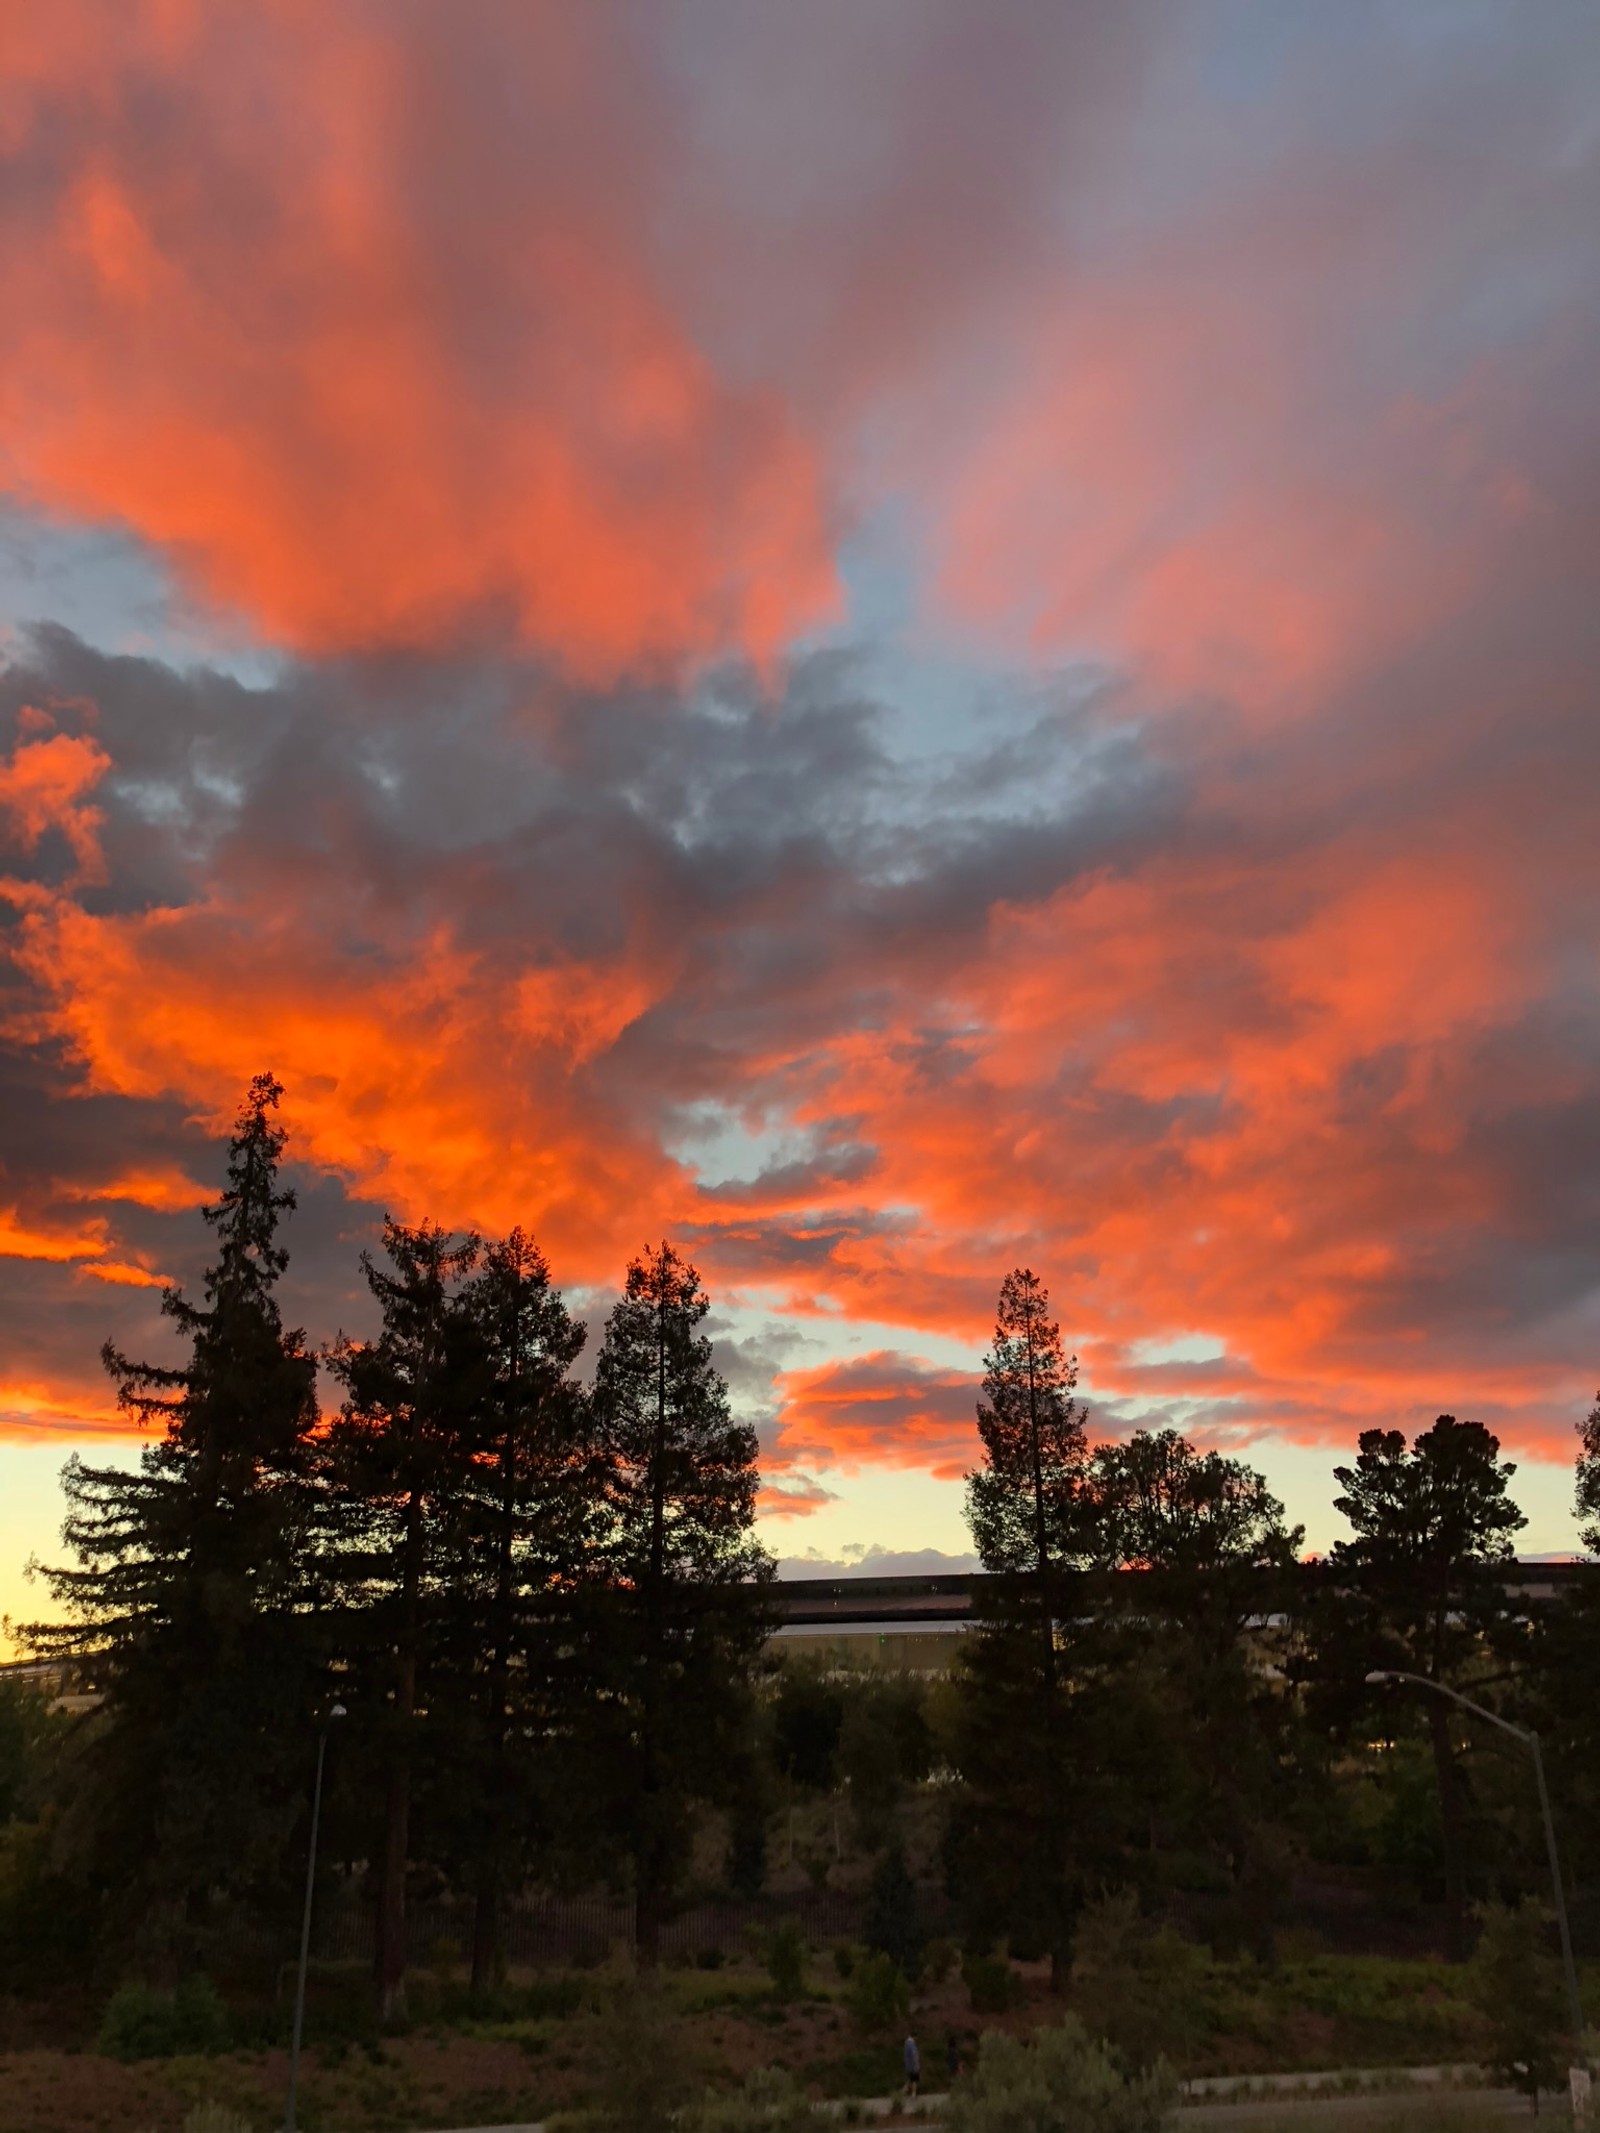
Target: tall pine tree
<point>194,1575</point>
<point>690,1572</point>
<point>401,1456</point>
<point>532,1541</point>
<point>1025,1508</point>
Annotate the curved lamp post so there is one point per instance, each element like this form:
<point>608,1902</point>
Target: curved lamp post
<point>1529,1740</point>
<point>337,1711</point>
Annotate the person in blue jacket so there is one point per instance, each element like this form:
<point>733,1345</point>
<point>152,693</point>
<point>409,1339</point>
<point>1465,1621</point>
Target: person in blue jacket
<point>913,2066</point>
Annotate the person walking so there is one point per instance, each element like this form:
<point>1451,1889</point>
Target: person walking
<point>913,2066</point>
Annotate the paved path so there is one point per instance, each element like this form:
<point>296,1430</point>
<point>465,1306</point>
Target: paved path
<point>1249,2103</point>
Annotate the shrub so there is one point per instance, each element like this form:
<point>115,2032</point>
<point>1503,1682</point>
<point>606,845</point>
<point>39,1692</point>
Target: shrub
<point>49,1928</point>
<point>209,2117</point>
<point>992,1985</point>
<point>894,1920</point>
<point>636,2051</point>
<point>1516,1987</point>
<point>877,1993</point>
<point>144,2023</point>
<point>1063,2082</point>
<point>938,1960</point>
<point>709,1958</point>
<point>544,1997</point>
<point>785,1957</point>
<point>1141,1990</point>
<point>768,2102</point>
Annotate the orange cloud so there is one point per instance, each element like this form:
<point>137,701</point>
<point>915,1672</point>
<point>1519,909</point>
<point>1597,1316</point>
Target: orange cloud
<point>1260,1001</point>
<point>373,349</point>
<point>167,1191</point>
<point>880,1409</point>
<point>25,1240</point>
<point>793,1496</point>
<point>424,1080</point>
<point>31,1409</point>
<point>124,1274</point>
<point>43,788</point>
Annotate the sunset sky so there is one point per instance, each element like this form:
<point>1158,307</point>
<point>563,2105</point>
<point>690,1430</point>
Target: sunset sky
<point>888,640</point>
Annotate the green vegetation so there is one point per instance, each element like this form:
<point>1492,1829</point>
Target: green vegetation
<point>143,2023</point>
<point>1062,2081</point>
<point>876,1991</point>
<point>1517,1989</point>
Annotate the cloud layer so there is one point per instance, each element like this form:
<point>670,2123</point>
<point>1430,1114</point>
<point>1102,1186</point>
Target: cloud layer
<point>896,652</point>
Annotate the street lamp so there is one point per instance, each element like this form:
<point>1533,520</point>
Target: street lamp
<point>337,1711</point>
<point>1529,1740</point>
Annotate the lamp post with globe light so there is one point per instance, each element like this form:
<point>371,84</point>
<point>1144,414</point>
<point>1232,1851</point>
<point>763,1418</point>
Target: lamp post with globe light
<point>337,1711</point>
<point>1530,1740</point>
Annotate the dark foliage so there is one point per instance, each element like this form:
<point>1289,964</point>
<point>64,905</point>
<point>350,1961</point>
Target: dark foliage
<point>547,1616</point>
<point>1422,1590</point>
<point>687,1624</point>
<point>196,1578</point>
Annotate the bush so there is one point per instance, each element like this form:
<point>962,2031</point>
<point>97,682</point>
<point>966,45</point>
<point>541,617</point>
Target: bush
<point>49,1925</point>
<point>894,1920</point>
<point>938,1960</point>
<point>785,1957</point>
<point>211,2117</point>
<point>1063,2082</point>
<point>768,2102</point>
<point>877,1993</point>
<point>144,2023</point>
<point>1140,1990</point>
<point>636,2051</point>
<point>1516,1987</point>
<point>992,1985</point>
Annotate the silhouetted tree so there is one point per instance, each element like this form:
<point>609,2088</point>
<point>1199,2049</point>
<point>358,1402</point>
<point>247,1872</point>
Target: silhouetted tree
<point>1024,1504</point>
<point>1587,1502</point>
<point>401,1454</point>
<point>885,1747</point>
<point>1425,1570</point>
<point>683,1490</point>
<point>193,1576</point>
<point>1204,1552</point>
<point>807,1715</point>
<point>1025,1507</point>
<point>535,1522</point>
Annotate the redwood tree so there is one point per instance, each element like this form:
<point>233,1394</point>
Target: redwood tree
<point>1025,1507</point>
<point>194,1579</point>
<point>401,1456</point>
<point>689,1573</point>
<point>530,1545</point>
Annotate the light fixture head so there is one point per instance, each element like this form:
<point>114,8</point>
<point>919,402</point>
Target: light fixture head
<point>338,1711</point>
<point>1378,1674</point>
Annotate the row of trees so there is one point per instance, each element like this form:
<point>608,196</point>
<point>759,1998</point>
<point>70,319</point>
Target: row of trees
<point>1226,1675</point>
<point>540,1602</point>
<point>543,1608</point>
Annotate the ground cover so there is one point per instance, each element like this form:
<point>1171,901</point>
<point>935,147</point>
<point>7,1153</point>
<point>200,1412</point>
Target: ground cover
<point>533,2053</point>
